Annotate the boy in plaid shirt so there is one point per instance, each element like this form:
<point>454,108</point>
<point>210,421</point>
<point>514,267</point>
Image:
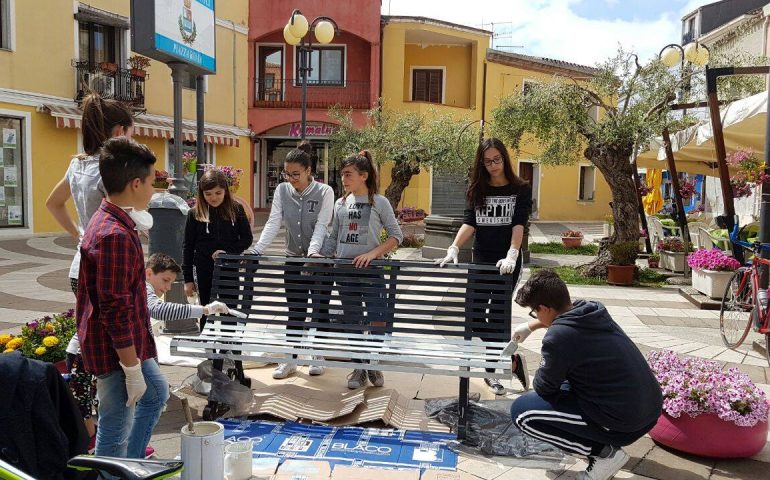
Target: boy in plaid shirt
<point>114,323</point>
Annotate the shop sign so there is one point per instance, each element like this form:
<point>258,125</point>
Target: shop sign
<point>322,130</point>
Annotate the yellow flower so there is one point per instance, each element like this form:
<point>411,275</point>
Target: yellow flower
<point>5,338</point>
<point>40,351</point>
<point>50,341</point>
<point>15,343</point>
<point>8,350</point>
<point>49,326</point>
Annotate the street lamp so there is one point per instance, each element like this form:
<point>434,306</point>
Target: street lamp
<point>296,33</point>
<point>694,53</point>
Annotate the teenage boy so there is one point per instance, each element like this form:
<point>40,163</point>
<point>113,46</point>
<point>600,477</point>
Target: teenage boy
<point>594,392</point>
<point>114,324</point>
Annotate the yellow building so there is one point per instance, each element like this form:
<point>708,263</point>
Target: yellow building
<point>44,63</point>
<point>429,63</point>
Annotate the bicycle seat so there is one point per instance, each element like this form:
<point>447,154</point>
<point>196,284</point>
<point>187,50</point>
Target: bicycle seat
<point>127,468</point>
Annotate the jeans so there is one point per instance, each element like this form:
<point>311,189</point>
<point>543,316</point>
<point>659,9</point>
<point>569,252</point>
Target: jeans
<point>125,431</point>
<point>356,302</point>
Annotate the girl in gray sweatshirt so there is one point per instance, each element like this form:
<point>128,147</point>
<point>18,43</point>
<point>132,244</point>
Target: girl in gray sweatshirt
<point>359,217</point>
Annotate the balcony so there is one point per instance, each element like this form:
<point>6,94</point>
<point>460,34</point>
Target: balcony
<point>109,81</point>
<point>287,93</point>
<point>688,37</point>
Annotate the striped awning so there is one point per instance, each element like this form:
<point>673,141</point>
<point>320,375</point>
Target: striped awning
<point>152,127</point>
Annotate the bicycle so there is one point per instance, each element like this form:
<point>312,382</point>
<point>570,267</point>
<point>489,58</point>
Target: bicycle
<point>123,468</point>
<point>741,308</point>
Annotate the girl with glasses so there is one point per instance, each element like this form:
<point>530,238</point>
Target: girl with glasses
<point>497,210</point>
<point>305,207</point>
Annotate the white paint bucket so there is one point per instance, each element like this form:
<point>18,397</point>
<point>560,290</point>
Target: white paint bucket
<point>203,452</point>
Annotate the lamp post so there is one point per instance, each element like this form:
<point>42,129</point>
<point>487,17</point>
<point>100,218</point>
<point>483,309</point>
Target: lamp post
<point>296,33</point>
<point>671,55</point>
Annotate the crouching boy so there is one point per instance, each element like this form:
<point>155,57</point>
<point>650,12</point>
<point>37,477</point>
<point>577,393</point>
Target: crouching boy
<point>594,392</point>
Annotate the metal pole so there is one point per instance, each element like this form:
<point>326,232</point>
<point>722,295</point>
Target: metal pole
<point>303,69</point>
<point>764,209</point>
<point>178,185</point>
<point>201,121</point>
<point>677,196</point>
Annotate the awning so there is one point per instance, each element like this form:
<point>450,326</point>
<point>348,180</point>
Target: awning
<point>153,126</point>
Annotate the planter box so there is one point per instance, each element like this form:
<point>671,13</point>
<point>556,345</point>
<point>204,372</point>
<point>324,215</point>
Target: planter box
<point>673,261</point>
<point>709,436</point>
<point>572,242</point>
<point>711,283</point>
<point>621,274</point>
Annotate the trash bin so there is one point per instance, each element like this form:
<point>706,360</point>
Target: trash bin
<point>169,214</point>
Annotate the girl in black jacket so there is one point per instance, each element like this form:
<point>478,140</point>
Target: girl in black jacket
<point>216,225</point>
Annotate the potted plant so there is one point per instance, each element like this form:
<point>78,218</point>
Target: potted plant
<point>622,265</point>
<point>711,271</point>
<point>410,214</point>
<point>708,411</point>
<point>671,250</point>
<point>653,261</point>
<point>45,339</point>
<point>751,172</point>
<point>572,238</point>
<point>138,65</point>
<point>161,180</point>
<point>233,175</point>
<point>108,67</point>
<point>687,189</point>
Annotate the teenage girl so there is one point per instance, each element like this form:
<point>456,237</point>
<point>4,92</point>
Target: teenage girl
<point>102,119</point>
<point>498,208</point>
<point>359,217</point>
<point>216,225</point>
<point>305,208</point>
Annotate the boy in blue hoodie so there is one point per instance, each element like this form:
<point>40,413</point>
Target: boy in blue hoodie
<point>594,392</point>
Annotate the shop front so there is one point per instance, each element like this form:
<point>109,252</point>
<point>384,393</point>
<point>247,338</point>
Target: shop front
<point>271,152</point>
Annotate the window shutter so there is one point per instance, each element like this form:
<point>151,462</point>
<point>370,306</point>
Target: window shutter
<point>420,85</point>
<point>434,86</point>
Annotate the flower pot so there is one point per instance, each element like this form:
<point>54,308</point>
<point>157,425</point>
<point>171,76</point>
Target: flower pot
<point>572,242</point>
<point>138,73</point>
<point>673,261</point>
<point>109,67</point>
<point>620,274</point>
<point>653,263</point>
<point>710,282</point>
<point>709,436</point>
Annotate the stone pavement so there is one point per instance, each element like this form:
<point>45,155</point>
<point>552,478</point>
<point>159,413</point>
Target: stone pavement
<point>33,283</point>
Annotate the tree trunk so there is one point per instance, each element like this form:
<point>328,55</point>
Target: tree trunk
<point>400,177</point>
<point>617,171</point>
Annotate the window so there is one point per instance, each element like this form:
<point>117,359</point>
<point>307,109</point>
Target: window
<point>587,183</point>
<point>99,43</point>
<point>428,85</point>
<point>189,82</point>
<point>527,87</point>
<point>12,187</point>
<point>327,64</point>
<point>270,73</point>
<point>690,25</point>
<point>5,24</point>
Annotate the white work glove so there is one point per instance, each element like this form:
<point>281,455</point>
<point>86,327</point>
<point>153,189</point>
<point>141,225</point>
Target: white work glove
<point>135,384</point>
<point>508,264</point>
<point>521,332</point>
<point>451,256</point>
<point>217,307</point>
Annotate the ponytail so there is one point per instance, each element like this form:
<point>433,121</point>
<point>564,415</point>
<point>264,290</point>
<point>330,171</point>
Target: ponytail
<point>100,117</point>
<point>364,163</point>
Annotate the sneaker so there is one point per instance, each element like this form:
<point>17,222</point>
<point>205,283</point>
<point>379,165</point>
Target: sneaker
<point>283,370</point>
<point>316,370</point>
<point>357,379</point>
<point>149,452</point>
<point>604,468</point>
<point>201,387</point>
<point>521,371</point>
<point>376,377</point>
<point>495,386</point>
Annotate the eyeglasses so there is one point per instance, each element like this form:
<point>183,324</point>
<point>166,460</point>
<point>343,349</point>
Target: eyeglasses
<point>533,314</point>
<point>293,176</point>
<point>493,161</point>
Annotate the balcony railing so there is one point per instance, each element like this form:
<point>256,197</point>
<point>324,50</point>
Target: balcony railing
<point>287,93</point>
<point>688,37</point>
<point>109,81</point>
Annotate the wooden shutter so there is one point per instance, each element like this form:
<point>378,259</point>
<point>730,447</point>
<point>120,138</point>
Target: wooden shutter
<point>427,85</point>
<point>420,85</point>
<point>434,86</point>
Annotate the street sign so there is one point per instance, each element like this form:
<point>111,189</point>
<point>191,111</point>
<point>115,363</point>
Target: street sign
<point>176,31</point>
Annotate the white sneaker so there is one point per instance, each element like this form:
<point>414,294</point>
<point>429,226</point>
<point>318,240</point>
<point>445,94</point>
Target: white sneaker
<point>604,468</point>
<point>357,379</point>
<point>376,377</point>
<point>316,370</point>
<point>283,370</point>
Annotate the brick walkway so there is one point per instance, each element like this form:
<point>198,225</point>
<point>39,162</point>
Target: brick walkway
<point>33,283</point>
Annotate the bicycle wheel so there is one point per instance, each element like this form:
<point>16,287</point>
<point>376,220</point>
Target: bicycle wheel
<point>735,312</point>
<point>767,347</point>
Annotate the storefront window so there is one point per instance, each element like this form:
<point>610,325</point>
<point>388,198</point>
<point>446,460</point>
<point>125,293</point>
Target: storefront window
<point>11,164</point>
<point>276,155</point>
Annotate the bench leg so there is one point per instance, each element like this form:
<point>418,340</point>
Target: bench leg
<point>213,409</point>
<point>463,406</point>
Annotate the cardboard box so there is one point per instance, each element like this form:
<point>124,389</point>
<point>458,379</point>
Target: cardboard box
<point>440,475</point>
<point>391,408</point>
<point>304,469</point>
<point>294,402</point>
<point>344,472</point>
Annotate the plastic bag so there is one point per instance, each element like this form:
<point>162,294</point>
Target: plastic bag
<point>491,433</point>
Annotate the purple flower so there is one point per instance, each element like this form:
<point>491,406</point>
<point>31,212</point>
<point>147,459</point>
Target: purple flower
<point>32,324</point>
<point>712,259</point>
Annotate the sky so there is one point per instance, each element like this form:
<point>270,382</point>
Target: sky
<point>580,31</point>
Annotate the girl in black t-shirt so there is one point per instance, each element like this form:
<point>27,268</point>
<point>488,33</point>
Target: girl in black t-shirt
<point>497,210</point>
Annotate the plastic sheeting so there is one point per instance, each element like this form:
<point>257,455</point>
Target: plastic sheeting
<point>491,434</point>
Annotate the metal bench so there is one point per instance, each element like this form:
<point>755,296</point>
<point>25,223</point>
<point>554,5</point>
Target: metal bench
<point>428,319</point>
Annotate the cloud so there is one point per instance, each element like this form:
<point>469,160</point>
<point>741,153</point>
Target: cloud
<point>550,28</point>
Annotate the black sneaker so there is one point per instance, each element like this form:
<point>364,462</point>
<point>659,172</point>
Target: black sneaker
<point>495,386</point>
<point>521,371</point>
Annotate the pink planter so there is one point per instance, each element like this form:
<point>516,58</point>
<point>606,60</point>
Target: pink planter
<point>708,436</point>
